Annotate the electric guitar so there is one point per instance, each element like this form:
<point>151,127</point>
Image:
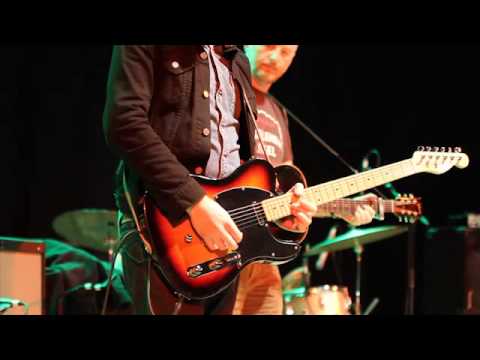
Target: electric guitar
<point>189,269</point>
<point>407,208</point>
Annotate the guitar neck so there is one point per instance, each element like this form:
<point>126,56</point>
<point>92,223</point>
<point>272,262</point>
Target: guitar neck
<point>279,207</point>
<point>349,206</point>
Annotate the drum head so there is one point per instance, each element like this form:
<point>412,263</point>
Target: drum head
<point>322,300</point>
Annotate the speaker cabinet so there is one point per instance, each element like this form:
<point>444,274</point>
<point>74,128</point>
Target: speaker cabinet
<point>451,276</point>
<point>22,274</point>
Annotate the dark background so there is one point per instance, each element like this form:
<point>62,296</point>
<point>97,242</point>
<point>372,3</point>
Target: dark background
<point>356,96</point>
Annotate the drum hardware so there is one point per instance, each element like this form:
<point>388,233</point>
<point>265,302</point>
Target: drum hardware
<point>301,298</point>
<point>94,229</point>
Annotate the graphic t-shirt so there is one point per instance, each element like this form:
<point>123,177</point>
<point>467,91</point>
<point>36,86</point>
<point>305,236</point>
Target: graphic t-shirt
<point>272,123</point>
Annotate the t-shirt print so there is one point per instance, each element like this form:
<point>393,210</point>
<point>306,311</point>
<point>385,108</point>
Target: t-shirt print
<point>273,128</point>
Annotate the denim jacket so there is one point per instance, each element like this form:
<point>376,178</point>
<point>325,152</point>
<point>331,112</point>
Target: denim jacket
<point>157,120</point>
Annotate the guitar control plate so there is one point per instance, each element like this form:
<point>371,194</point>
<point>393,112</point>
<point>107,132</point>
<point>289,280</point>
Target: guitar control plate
<point>231,259</point>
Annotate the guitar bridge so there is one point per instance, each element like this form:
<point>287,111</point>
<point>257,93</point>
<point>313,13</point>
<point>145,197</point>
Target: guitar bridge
<point>231,259</point>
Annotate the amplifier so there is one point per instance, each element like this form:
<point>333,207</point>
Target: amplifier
<point>22,276</point>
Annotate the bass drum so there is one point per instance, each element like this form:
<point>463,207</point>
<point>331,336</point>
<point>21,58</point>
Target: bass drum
<point>322,300</point>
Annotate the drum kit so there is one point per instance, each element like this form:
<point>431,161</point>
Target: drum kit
<point>95,229</point>
<point>302,299</point>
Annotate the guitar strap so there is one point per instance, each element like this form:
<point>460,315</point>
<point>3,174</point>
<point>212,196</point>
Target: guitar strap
<point>252,120</point>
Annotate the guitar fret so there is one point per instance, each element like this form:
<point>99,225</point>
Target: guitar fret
<point>388,204</point>
<point>310,196</point>
<point>337,191</point>
<point>352,187</point>
<point>329,192</point>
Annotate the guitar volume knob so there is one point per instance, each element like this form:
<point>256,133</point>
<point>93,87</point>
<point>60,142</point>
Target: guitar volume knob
<point>195,271</point>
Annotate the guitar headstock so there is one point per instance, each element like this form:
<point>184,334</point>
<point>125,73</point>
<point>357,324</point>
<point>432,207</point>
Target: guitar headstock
<point>439,160</point>
<point>407,208</point>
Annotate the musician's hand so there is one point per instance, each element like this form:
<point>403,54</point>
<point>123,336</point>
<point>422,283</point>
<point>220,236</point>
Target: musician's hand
<point>364,214</point>
<point>302,210</point>
<point>214,225</point>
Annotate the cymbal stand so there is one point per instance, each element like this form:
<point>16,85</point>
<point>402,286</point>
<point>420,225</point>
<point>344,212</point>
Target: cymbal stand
<point>358,249</point>
<point>306,271</point>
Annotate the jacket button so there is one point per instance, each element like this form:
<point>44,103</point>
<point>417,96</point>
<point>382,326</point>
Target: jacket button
<point>203,55</point>
<point>205,94</point>
<point>198,170</point>
<point>175,64</point>
<point>206,132</point>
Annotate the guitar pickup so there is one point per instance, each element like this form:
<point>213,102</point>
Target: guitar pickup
<point>214,265</point>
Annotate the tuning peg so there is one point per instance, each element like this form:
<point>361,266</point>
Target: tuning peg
<point>442,149</point>
<point>458,149</point>
<point>429,148</point>
<point>421,148</point>
<point>411,196</point>
<point>449,149</point>
<point>436,148</point>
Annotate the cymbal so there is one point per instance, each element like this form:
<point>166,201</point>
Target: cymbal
<point>90,228</point>
<point>294,279</point>
<point>356,237</point>
<point>300,291</point>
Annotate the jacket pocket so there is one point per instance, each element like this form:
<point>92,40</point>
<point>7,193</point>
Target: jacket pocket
<point>174,81</point>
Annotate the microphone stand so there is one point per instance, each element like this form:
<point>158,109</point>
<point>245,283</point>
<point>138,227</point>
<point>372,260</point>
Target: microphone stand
<point>409,302</point>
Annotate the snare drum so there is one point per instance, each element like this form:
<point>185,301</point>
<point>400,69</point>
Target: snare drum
<point>323,300</point>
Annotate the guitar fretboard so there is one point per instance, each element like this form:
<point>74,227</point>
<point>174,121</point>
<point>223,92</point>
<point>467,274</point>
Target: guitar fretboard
<point>350,205</point>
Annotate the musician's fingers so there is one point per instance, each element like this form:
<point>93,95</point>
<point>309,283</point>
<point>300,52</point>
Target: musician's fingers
<point>228,241</point>
<point>234,232</point>
<point>298,189</point>
<point>211,244</point>
<point>307,206</point>
<point>303,221</point>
